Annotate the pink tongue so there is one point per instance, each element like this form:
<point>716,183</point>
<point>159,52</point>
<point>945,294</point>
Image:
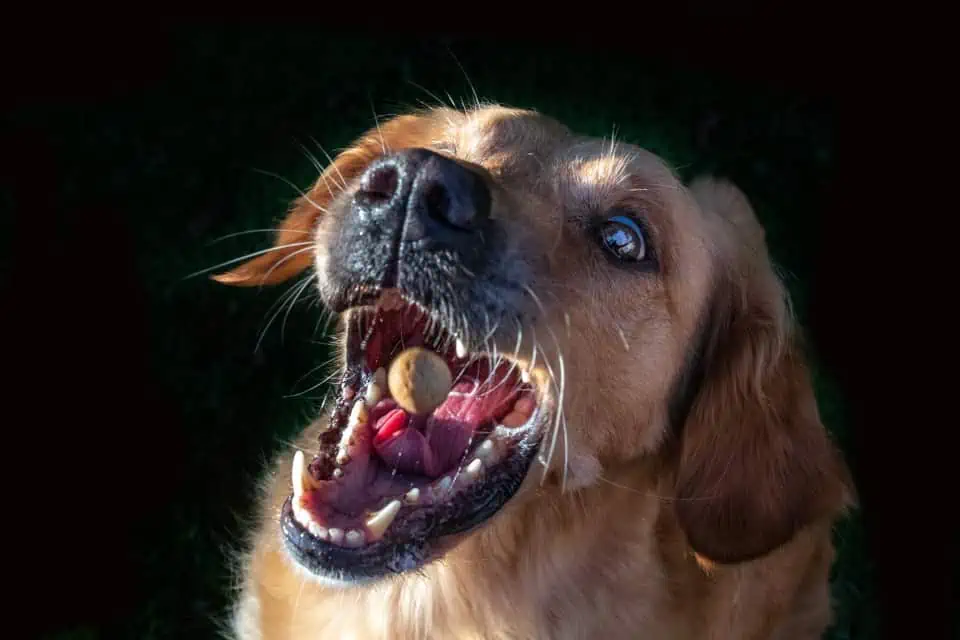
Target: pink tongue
<point>434,445</point>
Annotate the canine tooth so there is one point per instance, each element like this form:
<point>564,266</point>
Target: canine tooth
<point>299,476</point>
<point>355,538</point>
<point>474,467</point>
<point>379,522</point>
<point>413,496</point>
<point>338,473</point>
<point>336,535</point>
<point>524,375</point>
<point>461,349</point>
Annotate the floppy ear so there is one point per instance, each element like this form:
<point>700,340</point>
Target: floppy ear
<point>756,464</point>
<point>289,256</point>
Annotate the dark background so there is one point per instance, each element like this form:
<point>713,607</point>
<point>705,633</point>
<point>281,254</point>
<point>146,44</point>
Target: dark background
<point>150,405</point>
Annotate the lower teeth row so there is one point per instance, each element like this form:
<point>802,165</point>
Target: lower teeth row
<point>378,522</point>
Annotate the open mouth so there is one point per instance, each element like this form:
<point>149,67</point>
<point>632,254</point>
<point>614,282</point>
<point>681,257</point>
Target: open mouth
<point>389,487</point>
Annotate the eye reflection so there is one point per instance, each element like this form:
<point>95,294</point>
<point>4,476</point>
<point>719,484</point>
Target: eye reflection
<point>623,237</point>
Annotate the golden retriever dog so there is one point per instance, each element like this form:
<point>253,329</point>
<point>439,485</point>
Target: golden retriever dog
<point>631,446</point>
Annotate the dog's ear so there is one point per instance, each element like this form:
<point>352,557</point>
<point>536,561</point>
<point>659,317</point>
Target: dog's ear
<point>755,462</point>
<point>291,253</point>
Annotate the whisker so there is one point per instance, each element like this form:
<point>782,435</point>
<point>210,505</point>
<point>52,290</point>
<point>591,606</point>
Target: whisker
<point>283,324</point>
<point>302,193</point>
<point>376,120</point>
<point>316,368</point>
<point>247,257</point>
<point>466,76</point>
<point>327,380</point>
<point>429,93</point>
<point>333,165</point>
<point>453,103</point>
<point>249,231</point>
<point>655,495</point>
<point>312,158</point>
<point>289,292</point>
<point>280,262</point>
<point>562,391</point>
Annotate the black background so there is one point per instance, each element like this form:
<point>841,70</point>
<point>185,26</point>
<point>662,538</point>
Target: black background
<point>91,425</point>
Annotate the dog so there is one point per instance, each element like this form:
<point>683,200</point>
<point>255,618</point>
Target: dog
<point>631,447</point>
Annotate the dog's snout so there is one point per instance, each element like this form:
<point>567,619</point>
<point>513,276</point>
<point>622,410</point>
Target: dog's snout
<point>415,218</point>
<point>432,197</point>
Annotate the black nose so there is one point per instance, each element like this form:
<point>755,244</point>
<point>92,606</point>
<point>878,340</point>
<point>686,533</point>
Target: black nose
<point>436,200</point>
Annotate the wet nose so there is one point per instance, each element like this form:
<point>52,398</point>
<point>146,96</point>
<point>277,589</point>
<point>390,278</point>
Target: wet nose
<point>439,200</point>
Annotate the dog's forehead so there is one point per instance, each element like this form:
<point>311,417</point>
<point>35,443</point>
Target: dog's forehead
<point>493,130</point>
<point>535,152</point>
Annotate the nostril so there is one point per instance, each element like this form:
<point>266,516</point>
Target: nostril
<point>437,202</point>
<point>379,185</point>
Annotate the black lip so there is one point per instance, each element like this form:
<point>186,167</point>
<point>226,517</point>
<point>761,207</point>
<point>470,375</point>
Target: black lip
<point>424,533</point>
<point>354,296</point>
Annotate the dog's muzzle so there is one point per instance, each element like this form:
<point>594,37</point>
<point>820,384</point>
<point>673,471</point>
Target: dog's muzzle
<point>413,209</point>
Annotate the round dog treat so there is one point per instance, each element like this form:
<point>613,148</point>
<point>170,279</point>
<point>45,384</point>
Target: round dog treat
<point>419,380</point>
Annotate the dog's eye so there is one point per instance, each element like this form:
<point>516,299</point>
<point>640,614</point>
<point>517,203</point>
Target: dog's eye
<point>623,237</point>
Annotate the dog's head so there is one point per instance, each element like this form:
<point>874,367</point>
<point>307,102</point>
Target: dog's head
<point>592,310</point>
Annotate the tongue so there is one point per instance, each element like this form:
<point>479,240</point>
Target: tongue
<point>433,445</point>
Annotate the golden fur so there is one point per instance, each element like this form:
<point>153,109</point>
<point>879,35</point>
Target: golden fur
<point>719,528</point>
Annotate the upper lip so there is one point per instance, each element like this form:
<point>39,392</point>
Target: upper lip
<point>357,296</point>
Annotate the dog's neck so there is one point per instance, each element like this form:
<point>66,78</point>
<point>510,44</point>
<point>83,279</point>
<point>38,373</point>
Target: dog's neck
<point>496,578</point>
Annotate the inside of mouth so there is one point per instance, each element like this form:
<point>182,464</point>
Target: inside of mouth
<point>376,454</point>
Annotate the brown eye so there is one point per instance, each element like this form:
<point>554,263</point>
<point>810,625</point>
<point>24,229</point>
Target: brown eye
<point>623,237</point>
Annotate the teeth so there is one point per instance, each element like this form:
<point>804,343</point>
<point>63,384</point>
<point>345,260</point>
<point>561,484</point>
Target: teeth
<point>376,387</point>
<point>381,520</point>
<point>413,496</point>
<point>474,467</point>
<point>461,349</point>
<point>304,518</point>
<point>302,482</point>
<point>338,473</point>
<point>524,375</point>
<point>316,530</point>
<point>336,536</point>
<point>355,538</point>
<point>301,514</point>
<point>358,414</point>
<point>485,450</point>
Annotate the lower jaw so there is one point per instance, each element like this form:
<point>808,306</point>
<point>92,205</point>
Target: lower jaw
<point>421,536</point>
